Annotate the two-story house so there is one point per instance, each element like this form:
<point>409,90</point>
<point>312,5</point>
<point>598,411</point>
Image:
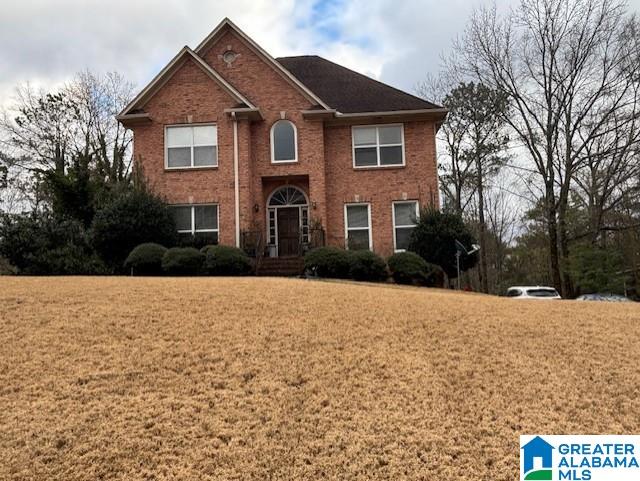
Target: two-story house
<point>283,153</point>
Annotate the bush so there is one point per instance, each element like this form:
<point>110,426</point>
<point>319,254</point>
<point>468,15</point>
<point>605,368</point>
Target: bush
<point>225,261</point>
<point>41,243</point>
<point>182,261</point>
<point>129,217</point>
<point>434,239</point>
<point>146,259</point>
<point>409,268</point>
<point>328,262</point>
<point>6,269</point>
<point>367,266</point>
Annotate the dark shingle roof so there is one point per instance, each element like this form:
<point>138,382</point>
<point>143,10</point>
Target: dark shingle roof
<point>348,91</point>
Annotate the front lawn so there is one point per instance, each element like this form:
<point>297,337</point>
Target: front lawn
<point>253,378</point>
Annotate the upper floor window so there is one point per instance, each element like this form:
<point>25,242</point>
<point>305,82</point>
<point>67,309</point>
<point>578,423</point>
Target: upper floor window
<point>284,142</point>
<point>378,146</point>
<point>189,146</point>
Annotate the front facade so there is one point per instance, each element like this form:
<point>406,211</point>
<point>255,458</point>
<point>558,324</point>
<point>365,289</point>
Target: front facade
<point>279,155</point>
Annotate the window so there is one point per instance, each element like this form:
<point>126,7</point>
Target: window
<point>542,292</point>
<point>405,217</point>
<point>357,220</point>
<point>284,142</point>
<point>378,146</point>
<point>191,146</point>
<point>199,221</point>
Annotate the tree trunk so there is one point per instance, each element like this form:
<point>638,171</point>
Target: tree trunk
<point>563,242</point>
<point>552,229</point>
<point>484,284</point>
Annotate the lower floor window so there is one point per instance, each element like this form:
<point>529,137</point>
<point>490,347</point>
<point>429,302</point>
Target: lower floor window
<point>199,222</point>
<point>405,218</point>
<point>357,226</point>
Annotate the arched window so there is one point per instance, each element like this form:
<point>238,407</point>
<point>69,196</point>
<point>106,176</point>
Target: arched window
<point>284,142</point>
<point>286,196</point>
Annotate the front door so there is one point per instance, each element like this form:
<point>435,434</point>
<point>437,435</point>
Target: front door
<point>288,231</point>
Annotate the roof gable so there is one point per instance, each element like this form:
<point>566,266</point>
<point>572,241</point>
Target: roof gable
<point>171,68</point>
<point>348,91</point>
<point>222,27</point>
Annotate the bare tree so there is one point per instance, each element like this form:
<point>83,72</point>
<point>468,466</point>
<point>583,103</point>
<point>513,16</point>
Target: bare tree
<point>456,171</point>
<point>100,99</point>
<point>70,136</point>
<point>39,130</point>
<point>567,67</point>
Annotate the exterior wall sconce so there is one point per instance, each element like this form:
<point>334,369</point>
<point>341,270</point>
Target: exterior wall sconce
<point>313,204</point>
<point>256,208</point>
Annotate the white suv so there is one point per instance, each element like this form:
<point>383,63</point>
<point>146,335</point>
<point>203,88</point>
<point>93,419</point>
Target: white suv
<point>533,292</point>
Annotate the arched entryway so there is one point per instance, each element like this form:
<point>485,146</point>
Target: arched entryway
<point>287,221</point>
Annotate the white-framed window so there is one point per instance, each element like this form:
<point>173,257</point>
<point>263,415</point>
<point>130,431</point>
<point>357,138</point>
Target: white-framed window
<point>357,226</point>
<point>378,145</point>
<point>405,217</point>
<point>197,220</point>
<point>284,142</point>
<point>191,146</point>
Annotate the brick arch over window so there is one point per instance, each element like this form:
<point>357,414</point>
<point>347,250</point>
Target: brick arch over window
<point>284,142</point>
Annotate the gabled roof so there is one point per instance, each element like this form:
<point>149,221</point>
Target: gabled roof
<point>166,73</point>
<point>226,23</point>
<point>350,92</point>
<point>336,93</point>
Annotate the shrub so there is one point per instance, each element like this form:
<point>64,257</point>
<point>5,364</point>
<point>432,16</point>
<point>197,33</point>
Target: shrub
<point>434,239</point>
<point>41,243</point>
<point>225,261</point>
<point>6,269</point>
<point>182,261</point>
<point>127,218</point>
<point>328,262</point>
<point>367,266</point>
<point>410,268</point>
<point>146,259</point>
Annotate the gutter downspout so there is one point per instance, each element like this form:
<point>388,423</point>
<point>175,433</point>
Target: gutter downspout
<point>236,184</point>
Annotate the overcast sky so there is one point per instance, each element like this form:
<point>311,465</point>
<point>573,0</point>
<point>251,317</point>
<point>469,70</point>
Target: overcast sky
<point>397,41</point>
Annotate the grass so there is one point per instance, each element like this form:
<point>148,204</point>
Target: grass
<point>133,378</point>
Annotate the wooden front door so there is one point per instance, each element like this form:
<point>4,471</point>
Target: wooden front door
<point>288,231</point>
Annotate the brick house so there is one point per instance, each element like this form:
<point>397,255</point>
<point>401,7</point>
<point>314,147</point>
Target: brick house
<point>279,155</point>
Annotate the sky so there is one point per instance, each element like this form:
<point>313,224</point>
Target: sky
<point>45,42</point>
<point>399,42</point>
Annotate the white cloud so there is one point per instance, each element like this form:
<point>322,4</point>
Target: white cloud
<point>46,42</point>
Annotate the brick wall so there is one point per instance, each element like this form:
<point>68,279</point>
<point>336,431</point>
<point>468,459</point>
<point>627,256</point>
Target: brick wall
<point>325,166</point>
<point>190,96</point>
<point>417,180</point>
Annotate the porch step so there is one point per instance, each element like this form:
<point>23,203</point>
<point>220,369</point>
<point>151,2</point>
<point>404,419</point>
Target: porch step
<point>280,266</point>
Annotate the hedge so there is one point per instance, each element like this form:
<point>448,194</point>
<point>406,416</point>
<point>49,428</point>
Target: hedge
<point>328,262</point>
<point>367,266</point>
<point>146,259</point>
<point>182,261</point>
<point>225,261</point>
<point>410,268</point>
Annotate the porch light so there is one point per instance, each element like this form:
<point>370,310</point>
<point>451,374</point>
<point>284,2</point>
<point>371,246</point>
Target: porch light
<point>256,208</point>
<point>313,204</point>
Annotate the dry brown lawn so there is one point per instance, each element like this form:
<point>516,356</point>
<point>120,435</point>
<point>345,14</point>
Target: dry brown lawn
<point>132,378</point>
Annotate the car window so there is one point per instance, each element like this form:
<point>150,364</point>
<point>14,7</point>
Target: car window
<point>542,292</point>
<point>514,293</point>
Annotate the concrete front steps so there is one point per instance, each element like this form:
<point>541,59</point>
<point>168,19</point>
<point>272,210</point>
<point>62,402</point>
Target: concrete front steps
<point>280,266</point>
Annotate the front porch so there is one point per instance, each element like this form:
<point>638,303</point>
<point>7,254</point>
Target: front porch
<point>288,233</point>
